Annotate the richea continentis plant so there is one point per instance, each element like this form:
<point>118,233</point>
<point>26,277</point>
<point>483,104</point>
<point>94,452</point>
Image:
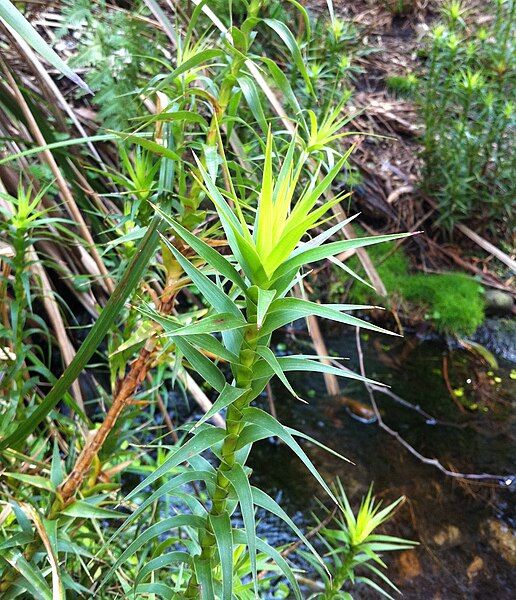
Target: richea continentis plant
<point>248,295</point>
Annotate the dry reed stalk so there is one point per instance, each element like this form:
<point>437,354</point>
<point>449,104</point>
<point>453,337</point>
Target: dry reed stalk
<point>106,282</point>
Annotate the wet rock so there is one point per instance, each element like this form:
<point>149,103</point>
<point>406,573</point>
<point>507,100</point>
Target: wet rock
<point>498,302</point>
<point>502,539</point>
<point>409,566</point>
<point>476,565</point>
<point>357,410</point>
<point>449,536</point>
<point>498,336</point>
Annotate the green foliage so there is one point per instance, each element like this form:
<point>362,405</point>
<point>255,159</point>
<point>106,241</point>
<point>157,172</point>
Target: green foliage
<point>173,183</point>
<point>267,253</point>
<point>467,102</point>
<point>400,7</point>
<point>331,53</point>
<point>123,52</point>
<point>354,548</point>
<point>23,362</point>
<point>404,85</point>
<point>453,301</point>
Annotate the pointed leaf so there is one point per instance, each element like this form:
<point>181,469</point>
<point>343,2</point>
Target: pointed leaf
<point>221,525</point>
<point>152,532</point>
<point>86,510</point>
<point>227,396</point>
<point>202,440</point>
<point>268,355</point>
<point>263,500</point>
<point>160,562</point>
<point>212,324</point>
<point>220,301</point>
<point>242,487</point>
<point>275,556</point>
<point>287,310</point>
<point>265,298</point>
<point>211,256</point>
<point>269,423</point>
<point>322,252</point>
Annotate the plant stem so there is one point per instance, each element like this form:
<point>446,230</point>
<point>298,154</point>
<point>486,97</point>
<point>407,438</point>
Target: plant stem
<point>234,426</point>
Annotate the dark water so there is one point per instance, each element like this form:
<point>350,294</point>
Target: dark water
<point>464,529</point>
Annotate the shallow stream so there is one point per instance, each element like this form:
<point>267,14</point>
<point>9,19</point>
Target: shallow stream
<point>467,547</point>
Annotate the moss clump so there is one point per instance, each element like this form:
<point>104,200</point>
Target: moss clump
<point>453,301</point>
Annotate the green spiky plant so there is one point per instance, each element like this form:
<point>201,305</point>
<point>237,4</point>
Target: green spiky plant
<point>354,548</point>
<point>467,103</point>
<point>247,292</point>
<point>59,544</point>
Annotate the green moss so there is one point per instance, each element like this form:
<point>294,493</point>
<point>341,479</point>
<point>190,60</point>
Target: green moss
<point>453,301</point>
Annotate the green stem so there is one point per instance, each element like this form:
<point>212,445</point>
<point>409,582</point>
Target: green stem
<point>234,426</point>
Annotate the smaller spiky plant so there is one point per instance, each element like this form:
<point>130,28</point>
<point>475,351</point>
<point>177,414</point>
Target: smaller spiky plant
<point>353,545</point>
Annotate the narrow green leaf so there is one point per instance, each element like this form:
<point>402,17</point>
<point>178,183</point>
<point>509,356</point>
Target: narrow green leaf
<point>152,532</point>
<point>305,363</point>
<point>202,440</point>
<point>333,248</point>
<point>56,467</point>
<point>220,301</point>
<point>86,510</point>
<point>274,555</point>
<point>242,487</point>
<point>221,526</point>
<point>374,585</point>
<point>165,560</point>
<point>35,480</point>
<point>265,298</point>
<point>200,363</point>
<point>204,577</point>
<point>284,85</point>
<point>227,396</point>
<point>268,355</point>
<point>252,97</point>
<point>160,589</point>
<point>290,41</point>
<point>193,62</point>
<point>315,442</point>
<point>212,324</point>
<point>204,341</point>
<point>269,423</point>
<point>153,147</point>
<point>287,310</point>
<point>211,256</point>
<point>260,498</point>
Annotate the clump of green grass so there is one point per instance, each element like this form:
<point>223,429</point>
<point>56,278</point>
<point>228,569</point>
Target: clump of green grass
<point>404,85</point>
<point>453,301</point>
<point>400,7</point>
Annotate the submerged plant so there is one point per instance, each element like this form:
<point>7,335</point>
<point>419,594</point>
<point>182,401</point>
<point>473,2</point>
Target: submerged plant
<point>247,292</point>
